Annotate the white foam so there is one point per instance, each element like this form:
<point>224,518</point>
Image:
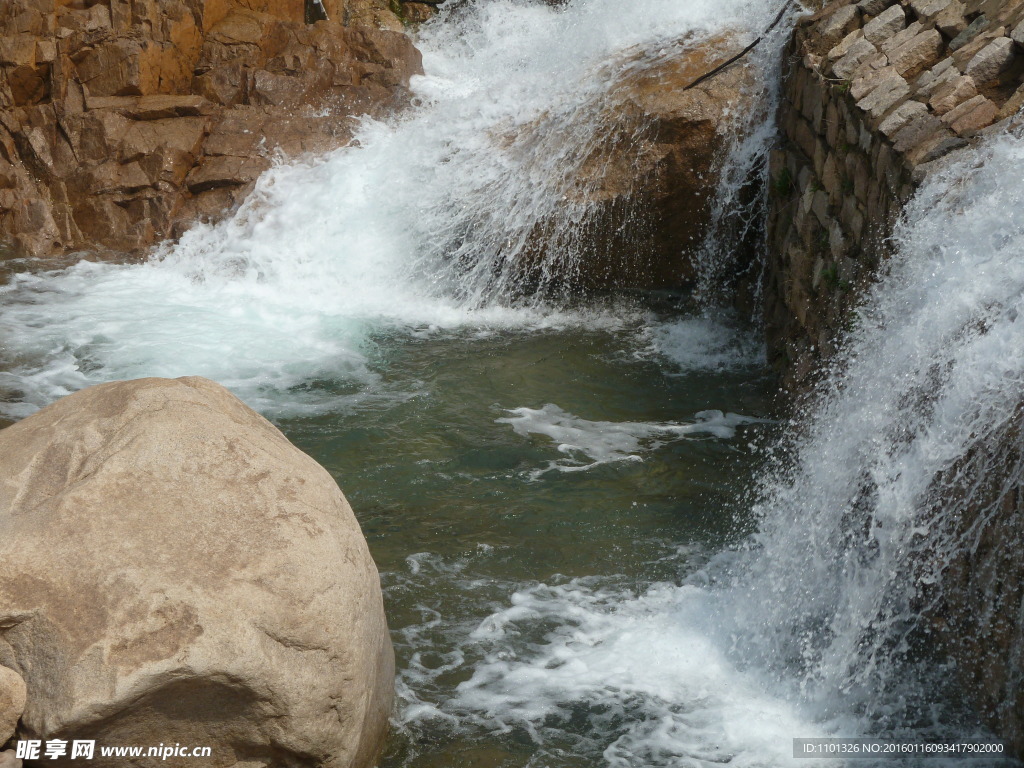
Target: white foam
<point>643,673</point>
<point>858,531</point>
<point>808,629</point>
<point>589,444</point>
<point>704,343</point>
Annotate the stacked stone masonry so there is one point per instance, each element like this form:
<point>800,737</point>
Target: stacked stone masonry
<point>876,93</point>
<point>123,121</point>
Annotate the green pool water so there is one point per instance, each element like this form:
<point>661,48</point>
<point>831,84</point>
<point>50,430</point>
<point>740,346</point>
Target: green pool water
<point>460,513</point>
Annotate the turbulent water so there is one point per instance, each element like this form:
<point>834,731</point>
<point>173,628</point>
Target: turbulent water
<point>369,299</point>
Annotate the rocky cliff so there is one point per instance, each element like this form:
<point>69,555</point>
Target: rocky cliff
<point>123,121</point>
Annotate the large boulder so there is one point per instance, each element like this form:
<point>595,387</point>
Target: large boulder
<point>174,571</point>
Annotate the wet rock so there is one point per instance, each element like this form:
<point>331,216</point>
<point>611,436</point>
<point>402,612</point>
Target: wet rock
<point>651,182</point>
<point>176,571</point>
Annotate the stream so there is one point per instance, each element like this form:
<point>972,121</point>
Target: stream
<point>599,545</point>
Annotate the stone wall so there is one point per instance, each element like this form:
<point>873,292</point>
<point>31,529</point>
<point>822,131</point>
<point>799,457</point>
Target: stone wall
<point>123,121</point>
<point>876,92</point>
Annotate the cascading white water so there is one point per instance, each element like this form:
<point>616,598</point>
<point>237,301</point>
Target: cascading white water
<point>857,533</point>
<point>420,223</point>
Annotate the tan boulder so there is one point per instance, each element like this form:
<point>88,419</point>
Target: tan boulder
<point>175,571</point>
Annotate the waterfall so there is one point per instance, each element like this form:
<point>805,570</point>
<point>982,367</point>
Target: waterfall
<point>892,478</point>
<point>425,221</point>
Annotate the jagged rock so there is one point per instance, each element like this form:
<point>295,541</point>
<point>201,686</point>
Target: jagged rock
<point>175,570</point>
<point>80,81</point>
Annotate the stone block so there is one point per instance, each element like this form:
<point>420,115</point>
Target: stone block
<point>886,25</point>
<point>917,131</point>
<point>832,124</point>
<point>973,115</point>
<point>866,81</point>
<point>844,46</point>
<point>951,20</point>
<point>928,10</point>
<point>991,61</point>
<point>931,80</point>
<point>889,92</point>
<point>820,207</point>
<point>1018,34</point>
<point>900,116</point>
<point>839,24</point>
<point>934,149</point>
<point>805,138</point>
<point>953,94</point>
<point>874,7</point>
<point>831,180</point>
<point>852,218</point>
<point>919,52</point>
<point>1013,105</point>
<point>902,37</point>
<point>859,52</point>
<point>972,30</point>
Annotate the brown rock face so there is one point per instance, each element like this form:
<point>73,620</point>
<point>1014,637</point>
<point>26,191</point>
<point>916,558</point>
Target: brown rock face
<point>175,571</point>
<point>650,178</point>
<point>121,121</point>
